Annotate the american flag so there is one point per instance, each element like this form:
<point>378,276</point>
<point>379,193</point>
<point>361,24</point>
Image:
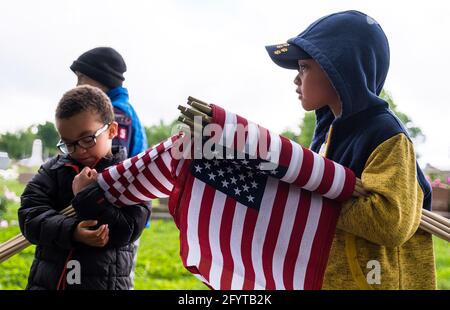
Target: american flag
<point>242,226</point>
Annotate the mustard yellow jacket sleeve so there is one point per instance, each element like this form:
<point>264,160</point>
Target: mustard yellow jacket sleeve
<point>390,215</point>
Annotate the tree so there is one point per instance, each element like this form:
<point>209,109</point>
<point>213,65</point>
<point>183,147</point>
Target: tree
<point>414,132</point>
<point>49,136</point>
<point>157,133</point>
<point>18,144</point>
<point>308,124</point>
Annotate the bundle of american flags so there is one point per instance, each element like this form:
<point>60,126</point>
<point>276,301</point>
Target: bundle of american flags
<point>264,220</point>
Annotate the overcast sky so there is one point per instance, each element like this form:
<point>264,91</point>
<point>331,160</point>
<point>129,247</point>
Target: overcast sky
<point>214,50</point>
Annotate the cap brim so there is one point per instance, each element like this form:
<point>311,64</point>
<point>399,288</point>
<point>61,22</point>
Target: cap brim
<point>286,55</point>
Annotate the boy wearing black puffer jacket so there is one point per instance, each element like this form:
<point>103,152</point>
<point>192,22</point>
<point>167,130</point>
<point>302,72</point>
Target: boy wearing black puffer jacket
<point>94,249</point>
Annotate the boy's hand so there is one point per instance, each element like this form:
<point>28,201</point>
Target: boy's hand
<point>83,179</point>
<point>95,238</point>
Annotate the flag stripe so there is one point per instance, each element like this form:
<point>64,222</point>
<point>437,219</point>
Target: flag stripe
<point>307,241</point>
<point>225,243</point>
<point>259,236</point>
<point>273,231</point>
<point>286,228</point>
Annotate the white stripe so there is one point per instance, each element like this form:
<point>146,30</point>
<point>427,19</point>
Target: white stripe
<point>136,193</point>
<point>262,222</point>
<point>287,225</point>
<point>152,154</point>
<point>193,255</point>
<point>217,208</point>
<point>316,173</point>
<point>127,164</point>
<point>237,227</point>
<point>167,159</point>
<point>102,183</point>
<point>274,150</point>
<point>114,173</point>
<point>229,129</point>
<point>338,182</point>
<point>307,241</point>
<point>150,187</point>
<point>110,197</point>
<point>200,277</point>
<point>251,145</point>
<point>153,167</point>
<point>180,164</point>
<point>295,163</point>
<point>167,144</point>
<point>126,201</point>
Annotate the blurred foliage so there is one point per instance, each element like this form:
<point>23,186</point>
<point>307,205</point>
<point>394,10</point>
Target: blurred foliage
<point>18,144</point>
<point>308,123</point>
<point>160,132</point>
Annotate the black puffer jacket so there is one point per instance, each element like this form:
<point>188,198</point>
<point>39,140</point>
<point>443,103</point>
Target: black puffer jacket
<point>50,191</point>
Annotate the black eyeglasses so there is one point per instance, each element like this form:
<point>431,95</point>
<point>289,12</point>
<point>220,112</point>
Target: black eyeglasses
<point>85,142</point>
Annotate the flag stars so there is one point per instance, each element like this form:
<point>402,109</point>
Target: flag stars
<point>220,172</point>
<point>207,165</point>
<point>250,198</point>
<point>242,177</point>
<point>250,174</point>
<point>216,162</point>
<point>198,168</point>
<point>237,191</point>
<point>225,183</point>
<point>245,188</point>
<point>254,184</point>
<point>230,170</point>
<point>212,176</point>
<point>233,180</point>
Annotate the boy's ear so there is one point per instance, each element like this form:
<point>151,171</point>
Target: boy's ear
<point>113,129</point>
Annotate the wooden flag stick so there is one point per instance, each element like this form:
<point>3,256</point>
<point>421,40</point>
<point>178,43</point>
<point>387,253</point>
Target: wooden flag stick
<point>434,230</point>
<point>190,98</point>
<point>194,112</point>
<point>436,223</point>
<point>205,109</point>
<point>437,217</point>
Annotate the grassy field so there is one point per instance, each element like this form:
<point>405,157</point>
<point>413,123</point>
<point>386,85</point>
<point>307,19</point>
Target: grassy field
<point>159,266</point>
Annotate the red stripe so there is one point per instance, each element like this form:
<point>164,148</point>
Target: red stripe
<point>107,177</point>
<point>246,247</point>
<point>110,181</point>
<point>181,221</point>
<point>264,136</point>
<point>295,239</point>
<point>225,243</point>
<point>285,153</point>
<point>305,169</point>
<point>241,128</point>
<point>327,177</point>
<point>273,230</point>
<point>154,181</point>
<point>130,196</point>
<point>164,170</point>
<point>203,231</point>
<point>349,186</point>
<point>321,245</point>
<point>218,115</point>
<point>175,197</point>
<point>144,191</point>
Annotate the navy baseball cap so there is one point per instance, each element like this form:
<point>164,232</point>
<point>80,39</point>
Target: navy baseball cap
<point>287,55</point>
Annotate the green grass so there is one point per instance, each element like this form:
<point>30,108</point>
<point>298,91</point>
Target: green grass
<point>159,266</point>
<point>442,253</point>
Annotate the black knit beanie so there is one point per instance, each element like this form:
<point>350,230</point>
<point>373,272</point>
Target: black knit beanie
<point>102,64</point>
